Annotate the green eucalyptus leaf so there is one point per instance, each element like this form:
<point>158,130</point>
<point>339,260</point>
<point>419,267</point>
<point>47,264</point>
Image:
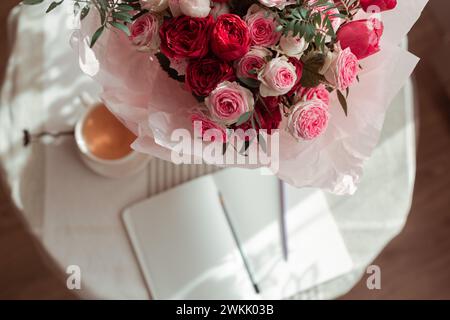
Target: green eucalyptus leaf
<point>342,101</point>
<point>31,2</point>
<point>84,12</point>
<point>97,35</point>
<point>262,142</point>
<point>125,7</point>
<point>244,118</point>
<point>54,5</point>
<point>123,16</point>
<point>121,27</point>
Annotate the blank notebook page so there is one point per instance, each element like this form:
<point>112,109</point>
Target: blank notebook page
<point>185,246</point>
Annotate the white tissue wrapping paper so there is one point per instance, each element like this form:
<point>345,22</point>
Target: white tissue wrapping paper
<point>141,94</point>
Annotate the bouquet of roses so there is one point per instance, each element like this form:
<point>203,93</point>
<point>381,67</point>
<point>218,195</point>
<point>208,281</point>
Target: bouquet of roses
<point>258,68</point>
<point>253,63</point>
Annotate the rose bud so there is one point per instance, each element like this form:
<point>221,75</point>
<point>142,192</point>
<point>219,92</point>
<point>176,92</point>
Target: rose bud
<point>308,120</point>
<point>230,38</point>
<point>378,5</point>
<point>361,36</point>
<point>195,8</point>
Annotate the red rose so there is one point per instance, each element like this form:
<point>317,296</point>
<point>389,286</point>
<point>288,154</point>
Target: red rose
<point>185,37</point>
<point>230,38</point>
<point>269,116</point>
<point>381,5</point>
<point>269,113</point>
<point>361,36</point>
<point>203,76</point>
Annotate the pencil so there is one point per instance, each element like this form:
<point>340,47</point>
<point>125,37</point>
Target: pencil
<point>238,244</point>
<point>283,227</point>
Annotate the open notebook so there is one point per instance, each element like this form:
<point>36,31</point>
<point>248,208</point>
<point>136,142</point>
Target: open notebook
<point>186,248</point>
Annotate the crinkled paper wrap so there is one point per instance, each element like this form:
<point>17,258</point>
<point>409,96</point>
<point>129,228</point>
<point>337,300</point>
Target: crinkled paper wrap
<point>152,105</point>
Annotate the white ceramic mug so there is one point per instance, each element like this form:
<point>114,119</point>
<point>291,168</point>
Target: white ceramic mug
<point>129,165</point>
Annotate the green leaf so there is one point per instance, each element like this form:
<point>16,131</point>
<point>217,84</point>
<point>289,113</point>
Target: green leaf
<point>97,35</point>
<point>342,101</point>
<point>258,121</point>
<point>262,142</point>
<point>124,7</point>
<point>244,118</point>
<point>53,5</point>
<point>124,16</point>
<point>84,12</point>
<point>121,27</point>
<point>31,2</point>
<point>252,83</point>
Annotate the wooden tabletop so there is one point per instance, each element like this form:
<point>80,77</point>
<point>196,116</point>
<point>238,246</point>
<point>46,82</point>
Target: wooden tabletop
<point>416,264</point>
<point>26,271</point>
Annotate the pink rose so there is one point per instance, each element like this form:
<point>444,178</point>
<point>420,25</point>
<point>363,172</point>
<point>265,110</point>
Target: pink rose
<point>262,25</point>
<point>228,102</point>
<point>293,46</point>
<point>277,78</point>
<point>343,69</point>
<point>308,120</point>
<point>250,64</point>
<point>361,36</point>
<point>320,92</point>
<point>144,33</point>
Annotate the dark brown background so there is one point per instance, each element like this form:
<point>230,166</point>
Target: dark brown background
<point>416,265</point>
